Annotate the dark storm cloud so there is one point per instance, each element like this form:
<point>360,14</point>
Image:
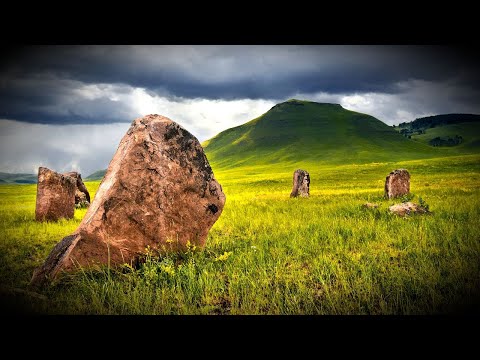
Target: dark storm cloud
<point>46,98</point>
<point>177,67</point>
<point>41,83</point>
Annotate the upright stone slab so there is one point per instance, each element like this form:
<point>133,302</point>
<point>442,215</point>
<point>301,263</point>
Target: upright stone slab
<point>301,184</point>
<point>55,196</point>
<point>397,184</point>
<point>82,196</point>
<point>159,191</point>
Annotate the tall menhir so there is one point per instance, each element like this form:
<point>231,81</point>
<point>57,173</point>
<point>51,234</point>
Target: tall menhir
<point>397,184</point>
<point>301,184</point>
<point>159,192</point>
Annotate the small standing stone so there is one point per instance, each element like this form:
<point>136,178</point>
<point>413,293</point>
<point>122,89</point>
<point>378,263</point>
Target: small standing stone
<point>397,184</point>
<point>301,184</point>
<point>55,196</point>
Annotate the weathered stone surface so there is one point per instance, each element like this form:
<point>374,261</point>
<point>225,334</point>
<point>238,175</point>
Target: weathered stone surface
<point>301,184</point>
<point>82,196</point>
<point>397,184</point>
<point>81,200</point>
<point>159,191</point>
<point>407,208</point>
<point>55,196</point>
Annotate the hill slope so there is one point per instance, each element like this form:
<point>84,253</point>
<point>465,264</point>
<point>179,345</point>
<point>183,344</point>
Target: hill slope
<point>303,133</point>
<point>7,178</point>
<point>439,120</point>
<point>453,130</point>
<point>297,131</point>
<point>97,175</point>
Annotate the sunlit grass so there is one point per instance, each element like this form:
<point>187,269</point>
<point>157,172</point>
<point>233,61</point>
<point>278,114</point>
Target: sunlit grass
<point>270,254</point>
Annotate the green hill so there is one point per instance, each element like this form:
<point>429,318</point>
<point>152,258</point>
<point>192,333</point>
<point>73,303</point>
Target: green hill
<point>439,120</point>
<point>97,175</point>
<point>461,131</point>
<point>303,133</point>
<point>8,178</point>
<point>296,131</point>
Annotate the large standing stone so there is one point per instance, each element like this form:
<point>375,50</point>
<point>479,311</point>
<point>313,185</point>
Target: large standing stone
<point>397,184</point>
<point>55,196</point>
<point>301,184</point>
<point>159,191</point>
<point>82,196</point>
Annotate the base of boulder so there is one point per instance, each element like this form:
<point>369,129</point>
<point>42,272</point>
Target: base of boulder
<point>407,208</point>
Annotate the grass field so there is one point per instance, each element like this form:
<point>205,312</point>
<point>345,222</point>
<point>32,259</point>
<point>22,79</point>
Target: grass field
<point>269,254</point>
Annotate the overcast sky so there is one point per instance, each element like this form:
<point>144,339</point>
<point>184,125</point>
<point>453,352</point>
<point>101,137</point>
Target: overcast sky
<point>67,107</point>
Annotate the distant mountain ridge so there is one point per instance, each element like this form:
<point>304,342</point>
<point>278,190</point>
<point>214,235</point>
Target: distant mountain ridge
<point>439,120</point>
<point>97,175</point>
<point>21,178</point>
<point>446,130</point>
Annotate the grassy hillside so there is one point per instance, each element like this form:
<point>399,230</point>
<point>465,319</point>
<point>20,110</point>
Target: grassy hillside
<point>97,175</point>
<point>439,120</point>
<point>469,132</point>
<point>456,133</point>
<point>296,132</point>
<point>306,134</point>
<point>7,178</point>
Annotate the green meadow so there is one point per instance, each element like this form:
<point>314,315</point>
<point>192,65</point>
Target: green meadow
<point>270,254</point>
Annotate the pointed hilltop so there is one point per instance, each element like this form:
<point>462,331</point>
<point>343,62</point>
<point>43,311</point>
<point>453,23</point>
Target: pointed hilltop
<point>311,131</point>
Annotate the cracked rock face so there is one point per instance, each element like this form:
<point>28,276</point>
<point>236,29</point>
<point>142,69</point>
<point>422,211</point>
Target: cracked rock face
<point>81,193</point>
<point>159,191</point>
<point>55,196</point>
<point>397,184</point>
<point>301,184</point>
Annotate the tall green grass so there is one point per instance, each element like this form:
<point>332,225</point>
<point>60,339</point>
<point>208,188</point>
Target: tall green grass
<point>270,254</point>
